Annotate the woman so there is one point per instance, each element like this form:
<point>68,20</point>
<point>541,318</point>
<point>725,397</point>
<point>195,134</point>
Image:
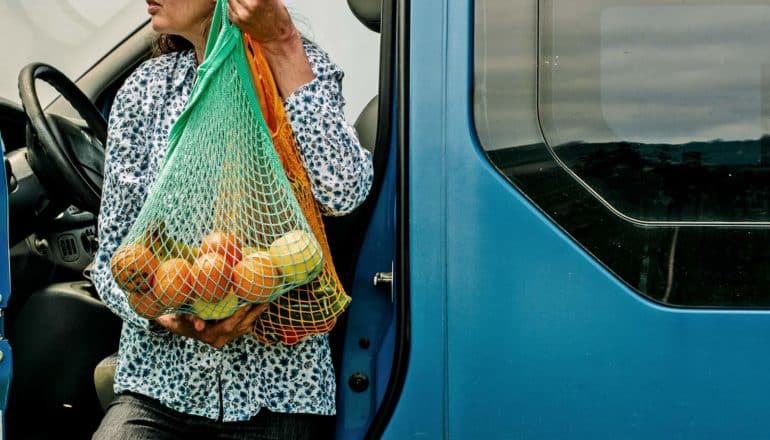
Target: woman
<point>179,376</point>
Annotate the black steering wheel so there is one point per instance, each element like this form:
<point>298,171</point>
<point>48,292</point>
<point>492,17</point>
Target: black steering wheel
<point>66,157</point>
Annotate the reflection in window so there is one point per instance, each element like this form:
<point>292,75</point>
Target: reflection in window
<point>657,109</point>
<point>662,110</point>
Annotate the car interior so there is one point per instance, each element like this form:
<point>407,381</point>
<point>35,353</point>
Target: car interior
<point>64,339</point>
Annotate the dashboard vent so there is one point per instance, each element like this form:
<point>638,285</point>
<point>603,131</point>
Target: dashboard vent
<point>68,247</point>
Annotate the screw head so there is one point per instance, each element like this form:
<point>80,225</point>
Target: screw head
<point>358,382</point>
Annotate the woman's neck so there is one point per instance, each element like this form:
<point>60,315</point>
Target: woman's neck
<point>198,39</point>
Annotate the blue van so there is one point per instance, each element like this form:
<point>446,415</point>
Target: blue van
<point>564,238</point>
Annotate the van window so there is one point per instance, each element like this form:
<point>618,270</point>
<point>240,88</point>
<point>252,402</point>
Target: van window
<point>642,129</point>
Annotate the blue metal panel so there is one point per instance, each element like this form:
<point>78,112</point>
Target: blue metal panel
<point>370,316</point>
<point>516,331</point>
<point>420,411</point>
<point>5,289</point>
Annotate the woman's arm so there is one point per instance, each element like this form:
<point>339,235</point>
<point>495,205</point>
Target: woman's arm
<point>269,23</point>
<point>339,168</point>
<point>123,189</point>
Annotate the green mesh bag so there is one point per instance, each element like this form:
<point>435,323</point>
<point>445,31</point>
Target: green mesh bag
<point>221,226</point>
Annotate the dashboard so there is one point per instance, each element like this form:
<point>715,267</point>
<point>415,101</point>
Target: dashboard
<point>39,225</point>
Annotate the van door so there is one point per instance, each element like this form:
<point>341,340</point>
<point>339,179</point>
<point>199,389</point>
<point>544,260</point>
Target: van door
<point>5,294</point>
<point>589,194</point>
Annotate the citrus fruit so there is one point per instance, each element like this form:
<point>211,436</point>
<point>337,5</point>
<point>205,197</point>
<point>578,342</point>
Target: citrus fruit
<point>173,283</point>
<point>255,278</point>
<point>216,309</point>
<point>291,336</point>
<point>297,255</point>
<point>252,250</point>
<point>133,267</point>
<point>211,276</point>
<point>224,244</point>
<point>145,305</point>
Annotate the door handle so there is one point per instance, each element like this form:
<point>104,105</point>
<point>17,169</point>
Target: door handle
<point>382,278</point>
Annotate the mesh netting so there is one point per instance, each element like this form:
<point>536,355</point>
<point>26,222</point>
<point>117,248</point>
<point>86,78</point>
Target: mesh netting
<point>221,226</point>
<point>314,307</point>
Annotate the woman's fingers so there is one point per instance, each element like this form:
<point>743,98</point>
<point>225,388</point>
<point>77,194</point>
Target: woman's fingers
<point>228,325</point>
<point>264,20</point>
<point>255,311</point>
<point>198,324</point>
<point>216,334</point>
<point>234,11</point>
<point>247,323</point>
<point>228,329</point>
<point>182,324</point>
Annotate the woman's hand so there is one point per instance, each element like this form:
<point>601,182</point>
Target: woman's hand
<point>215,333</point>
<point>267,21</point>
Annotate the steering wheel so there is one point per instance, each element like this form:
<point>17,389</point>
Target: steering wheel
<point>66,156</point>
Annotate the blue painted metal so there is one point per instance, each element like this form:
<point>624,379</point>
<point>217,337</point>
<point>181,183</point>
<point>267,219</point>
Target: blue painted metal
<point>420,412</point>
<point>5,290</point>
<point>370,316</point>
<point>516,331</point>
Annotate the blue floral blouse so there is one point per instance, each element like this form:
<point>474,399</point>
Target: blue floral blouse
<point>234,382</point>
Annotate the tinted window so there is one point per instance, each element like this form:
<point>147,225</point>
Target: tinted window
<point>646,137</point>
<point>659,108</point>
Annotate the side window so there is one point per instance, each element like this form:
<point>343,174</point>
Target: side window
<point>651,145</point>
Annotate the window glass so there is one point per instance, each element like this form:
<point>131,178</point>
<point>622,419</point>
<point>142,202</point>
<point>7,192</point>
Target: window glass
<point>659,108</point>
<point>646,136</point>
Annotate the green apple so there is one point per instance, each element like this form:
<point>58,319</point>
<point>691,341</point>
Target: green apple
<point>216,310</point>
<point>297,255</point>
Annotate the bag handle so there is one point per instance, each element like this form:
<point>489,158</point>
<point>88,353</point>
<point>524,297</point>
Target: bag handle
<point>219,25</point>
<point>223,38</point>
<point>224,41</point>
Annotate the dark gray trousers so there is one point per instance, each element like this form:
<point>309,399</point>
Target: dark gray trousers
<point>135,417</point>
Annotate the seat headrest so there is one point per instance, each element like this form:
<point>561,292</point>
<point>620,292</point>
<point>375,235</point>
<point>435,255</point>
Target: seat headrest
<point>369,12</point>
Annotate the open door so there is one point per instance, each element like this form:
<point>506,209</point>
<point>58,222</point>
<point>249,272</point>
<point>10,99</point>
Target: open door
<point>366,243</point>
<point>5,292</point>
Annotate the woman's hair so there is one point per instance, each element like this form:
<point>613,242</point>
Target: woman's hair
<point>166,43</point>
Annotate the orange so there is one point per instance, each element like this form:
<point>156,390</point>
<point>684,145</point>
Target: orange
<point>224,244</point>
<point>173,283</point>
<point>211,276</point>
<point>255,278</point>
<point>133,267</point>
<point>145,305</point>
<point>291,336</point>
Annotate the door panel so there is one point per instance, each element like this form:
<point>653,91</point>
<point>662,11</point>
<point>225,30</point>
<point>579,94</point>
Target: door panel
<point>6,358</point>
<point>368,343</point>
<point>517,330</point>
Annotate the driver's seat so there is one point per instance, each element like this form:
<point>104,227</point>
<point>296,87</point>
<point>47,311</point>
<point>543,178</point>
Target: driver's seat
<point>104,376</point>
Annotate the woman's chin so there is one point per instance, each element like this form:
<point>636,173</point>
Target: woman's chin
<point>158,24</point>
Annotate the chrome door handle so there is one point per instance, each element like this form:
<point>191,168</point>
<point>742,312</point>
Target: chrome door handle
<point>381,278</point>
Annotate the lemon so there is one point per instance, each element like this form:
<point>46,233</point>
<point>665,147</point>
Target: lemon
<point>216,310</point>
<point>297,255</point>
